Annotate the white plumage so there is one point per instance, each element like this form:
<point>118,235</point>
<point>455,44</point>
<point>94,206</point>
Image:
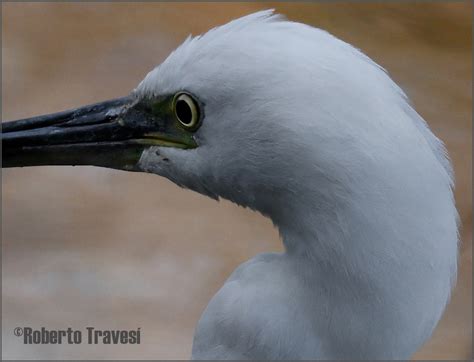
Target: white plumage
<point>313,134</point>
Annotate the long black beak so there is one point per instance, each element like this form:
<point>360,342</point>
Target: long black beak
<point>110,134</point>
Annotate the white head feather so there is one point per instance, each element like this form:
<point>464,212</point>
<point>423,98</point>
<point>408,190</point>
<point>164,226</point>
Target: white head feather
<point>306,129</point>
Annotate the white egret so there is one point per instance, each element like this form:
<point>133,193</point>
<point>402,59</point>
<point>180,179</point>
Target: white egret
<point>290,121</point>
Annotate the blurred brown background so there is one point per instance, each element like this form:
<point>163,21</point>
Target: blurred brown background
<point>94,247</point>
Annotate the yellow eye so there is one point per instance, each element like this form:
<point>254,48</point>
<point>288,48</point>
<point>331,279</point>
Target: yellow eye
<point>186,110</point>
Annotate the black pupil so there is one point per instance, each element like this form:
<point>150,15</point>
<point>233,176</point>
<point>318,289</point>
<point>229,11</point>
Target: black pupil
<point>184,113</point>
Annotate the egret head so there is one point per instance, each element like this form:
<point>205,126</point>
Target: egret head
<point>262,111</point>
<point>285,110</point>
